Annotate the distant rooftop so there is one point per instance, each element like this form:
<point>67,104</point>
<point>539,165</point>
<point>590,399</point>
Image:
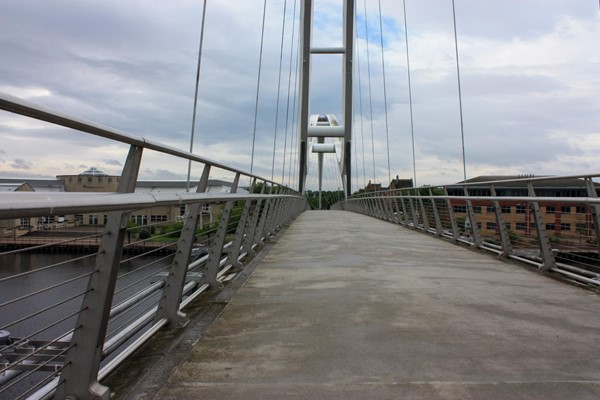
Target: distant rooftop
<point>93,172</point>
<point>39,185</point>
<point>551,182</point>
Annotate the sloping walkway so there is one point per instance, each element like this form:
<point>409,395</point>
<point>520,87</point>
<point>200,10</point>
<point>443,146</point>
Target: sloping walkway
<point>348,307</point>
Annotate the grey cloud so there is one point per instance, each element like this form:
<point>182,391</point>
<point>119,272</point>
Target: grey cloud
<point>112,162</point>
<point>163,174</point>
<point>19,163</point>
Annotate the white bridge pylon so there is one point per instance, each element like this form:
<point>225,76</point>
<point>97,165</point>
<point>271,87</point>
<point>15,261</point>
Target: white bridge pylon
<point>320,127</point>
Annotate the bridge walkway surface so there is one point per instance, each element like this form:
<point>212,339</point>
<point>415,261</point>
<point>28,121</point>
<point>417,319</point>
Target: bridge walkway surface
<point>345,306</point>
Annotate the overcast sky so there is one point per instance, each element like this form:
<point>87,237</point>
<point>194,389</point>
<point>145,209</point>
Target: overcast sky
<point>530,72</point>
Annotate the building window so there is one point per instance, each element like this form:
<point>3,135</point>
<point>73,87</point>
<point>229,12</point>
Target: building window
<point>79,218</point>
<point>479,225</point>
<point>521,226</point>
<point>550,227</point>
<point>565,209</point>
<point>550,209</point>
<point>520,209</point>
<point>532,225</point>
<point>206,208</point>
<point>491,209</point>
<point>139,219</point>
<point>182,210</point>
<point>93,219</point>
<point>158,218</point>
<point>79,179</point>
<point>508,225</point>
<point>89,179</point>
<point>25,223</point>
<point>565,227</point>
<point>109,179</point>
<point>457,208</point>
<point>491,225</point>
<point>105,219</point>
<point>581,210</point>
<point>505,209</point>
<point>477,209</point>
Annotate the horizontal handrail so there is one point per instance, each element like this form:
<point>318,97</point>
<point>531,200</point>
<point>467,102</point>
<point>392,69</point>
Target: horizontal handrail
<point>23,107</point>
<point>558,234</point>
<point>31,204</point>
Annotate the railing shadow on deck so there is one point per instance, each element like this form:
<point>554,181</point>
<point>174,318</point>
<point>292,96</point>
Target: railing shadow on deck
<point>65,325</point>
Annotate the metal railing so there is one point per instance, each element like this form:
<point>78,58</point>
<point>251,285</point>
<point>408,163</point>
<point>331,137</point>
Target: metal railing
<point>549,222</point>
<point>66,324</point>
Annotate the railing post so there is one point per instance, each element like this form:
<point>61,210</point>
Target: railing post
<point>249,240</point>
<point>258,239</point>
<point>594,208</point>
<point>368,205</point>
<point>424,213</point>
<point>455,233</point>
<point>477,241</point>
<point>397,217</point>
<point>216,248</point>
<point>79,378</point>
<point>405,215</point>
<point>504,237</point>
<point>548,260</point>
<point>436,215</point>
<point>273,217</point>
<point>413,212</point>
<point>168,307</point>
<point>379,206</point>
<point>388,207</point>
<point>242,230</point>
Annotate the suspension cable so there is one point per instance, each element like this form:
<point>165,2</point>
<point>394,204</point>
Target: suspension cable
<point>462,131</point>
<point>387,135</point>
<point>369,86</point>
<point>294,122</point>
<point>412,130</point>
<point>262,39</point>
<point>287,113</point>
<point>187,189</point>
<point>278,89</point>
<point>362,126</point>
<point>355,146</point>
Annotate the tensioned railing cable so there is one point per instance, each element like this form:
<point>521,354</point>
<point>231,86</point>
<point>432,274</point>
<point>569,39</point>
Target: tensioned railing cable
<point>387,134</point>
<point>262,40</point>
<point>462,130</point>
<point>287,112</point>
<point>412,129</point>
<point>369,86</point>
<point>189,172</point>
<point>278,89</point>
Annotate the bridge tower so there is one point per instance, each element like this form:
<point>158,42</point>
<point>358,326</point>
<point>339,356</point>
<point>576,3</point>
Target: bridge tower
<point>344,129</point>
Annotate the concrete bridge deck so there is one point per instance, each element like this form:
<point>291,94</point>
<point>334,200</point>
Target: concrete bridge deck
<point>348,307</point>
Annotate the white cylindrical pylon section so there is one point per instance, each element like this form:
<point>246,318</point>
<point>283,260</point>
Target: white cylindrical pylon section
<point>323,148</point>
